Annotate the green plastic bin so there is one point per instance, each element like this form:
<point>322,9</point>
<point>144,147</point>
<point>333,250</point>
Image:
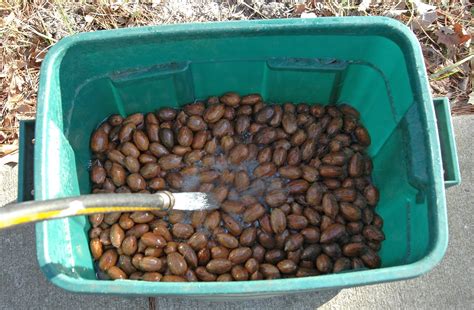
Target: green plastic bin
<point>373,63</point>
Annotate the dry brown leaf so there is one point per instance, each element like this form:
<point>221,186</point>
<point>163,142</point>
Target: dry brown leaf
<point>300,8</point>
<point>462,110</point>
<point>6,149</point>
<point>308,15</point>
<point>364,5</point>
<point>447,37</point>
<point>23,108</point>
<point>3,137</point>
<point>89,19</point>
<point>463,36</point>
<point>7,121</point>
<point>15,98</point>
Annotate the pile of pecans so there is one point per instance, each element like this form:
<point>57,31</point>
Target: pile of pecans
<point>292,180</point>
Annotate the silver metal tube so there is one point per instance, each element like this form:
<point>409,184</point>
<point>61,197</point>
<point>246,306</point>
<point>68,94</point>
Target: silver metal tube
<point>33,211</point>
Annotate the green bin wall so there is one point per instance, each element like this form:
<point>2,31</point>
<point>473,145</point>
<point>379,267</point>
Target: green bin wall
<point>373,64</point>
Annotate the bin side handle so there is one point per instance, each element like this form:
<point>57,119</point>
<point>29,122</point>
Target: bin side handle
<point>452,176</point>
<point>26,161</point>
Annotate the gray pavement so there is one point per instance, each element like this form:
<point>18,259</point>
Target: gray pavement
<point>449,286</point>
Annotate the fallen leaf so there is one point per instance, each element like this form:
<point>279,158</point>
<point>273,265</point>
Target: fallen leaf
<point>463,109</point>
<point>394,13</point>
<point>457,28</point>
<point>462,34</point>
<point>299,8</point>
<point>424,21</point>
<point>440,86</point>
<point>6,149</point>
<point>318,6</point>
<point>23,108</point>
<point>7,121</point>
<point>3,137</point>
<point>423,8</point>
<point>364,5</point>
<point>308,15</point>
<point>452,38</point>
<point>18,82</point>
<point>15,98</point>
<point>463,83</point>
<point>448,37</point>
<point>12,138</point>
<point>10,18</point>
<point>89,19</point>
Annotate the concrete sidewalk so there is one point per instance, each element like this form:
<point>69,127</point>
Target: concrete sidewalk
<point>448,286</point>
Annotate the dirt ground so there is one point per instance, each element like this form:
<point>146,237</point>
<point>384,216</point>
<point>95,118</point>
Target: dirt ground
<point>28,28</point>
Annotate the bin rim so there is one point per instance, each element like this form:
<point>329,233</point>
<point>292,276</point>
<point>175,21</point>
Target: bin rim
<point>382,26</point>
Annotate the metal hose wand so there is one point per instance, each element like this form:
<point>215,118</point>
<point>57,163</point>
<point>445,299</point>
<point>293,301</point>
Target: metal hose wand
<point>34,211</point>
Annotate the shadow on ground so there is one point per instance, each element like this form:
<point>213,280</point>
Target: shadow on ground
<point>309,300</point>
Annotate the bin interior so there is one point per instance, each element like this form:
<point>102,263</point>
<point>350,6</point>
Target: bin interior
<point>132,74</point>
